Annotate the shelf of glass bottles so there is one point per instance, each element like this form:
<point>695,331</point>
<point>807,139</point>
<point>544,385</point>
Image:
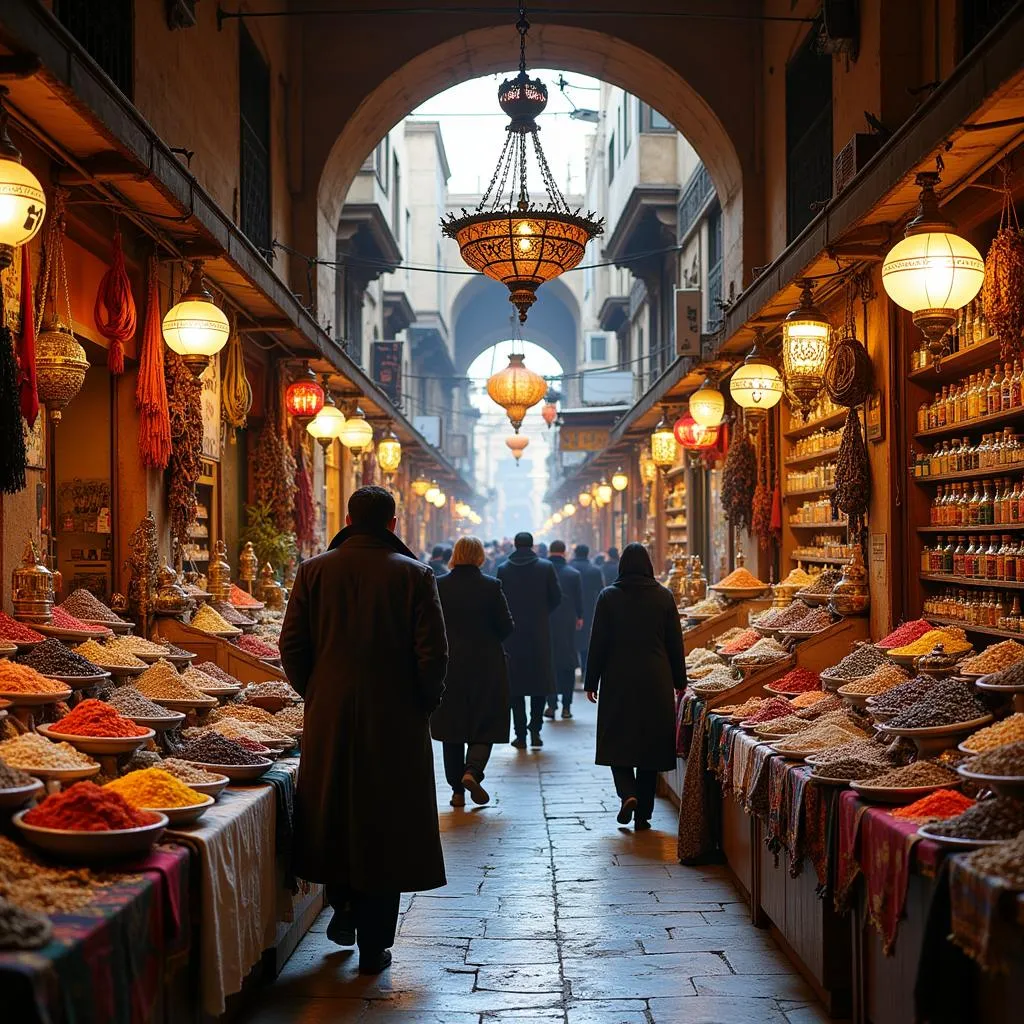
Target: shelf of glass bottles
<point>978,400</point>
<point>819,445</point>
<point>975,609</point>
<point>976,560</point>
<point>824,413</point>
<point>958,458</point>
<point>819,478</point>
<point>968,338</point>
<point>817,514</point>
<point>991,502</point>
<point>823,547</point>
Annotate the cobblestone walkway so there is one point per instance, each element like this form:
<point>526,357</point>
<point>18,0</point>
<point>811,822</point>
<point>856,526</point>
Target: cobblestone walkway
<point>554,913</point>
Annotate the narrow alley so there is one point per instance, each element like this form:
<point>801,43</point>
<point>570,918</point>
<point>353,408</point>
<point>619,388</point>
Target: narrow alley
<point>554,913</point>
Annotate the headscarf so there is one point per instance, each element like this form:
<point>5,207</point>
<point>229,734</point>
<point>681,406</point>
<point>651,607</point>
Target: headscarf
<point>635,561</point>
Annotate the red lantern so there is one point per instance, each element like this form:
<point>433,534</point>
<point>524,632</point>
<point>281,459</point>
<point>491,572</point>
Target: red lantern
<point>692,436</point>
<point>549,412</point>
<point>304,397</point>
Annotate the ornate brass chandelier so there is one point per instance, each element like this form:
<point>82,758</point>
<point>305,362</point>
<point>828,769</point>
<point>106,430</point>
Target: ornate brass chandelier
<point>513,241</point>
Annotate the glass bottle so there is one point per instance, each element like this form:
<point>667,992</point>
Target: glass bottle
<point>1015,385</point>
<point>973,393</point>
<point>971,559</point>
<point>1006,387</point>
<point>992,558</point>
<point>958,555</point>
<point>994,391</point>
<point>947,556</point>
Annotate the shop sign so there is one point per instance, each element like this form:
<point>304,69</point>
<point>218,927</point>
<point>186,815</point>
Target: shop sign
<point>210,399</point>
<point>583,439</point>
<point>687,321</point>
<point>387,368</point>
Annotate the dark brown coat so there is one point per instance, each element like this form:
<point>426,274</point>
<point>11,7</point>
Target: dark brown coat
<point>364,643</point>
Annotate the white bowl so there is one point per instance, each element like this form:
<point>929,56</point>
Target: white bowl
<point>66,844</point>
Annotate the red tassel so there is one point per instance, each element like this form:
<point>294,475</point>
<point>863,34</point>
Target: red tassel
<point>28,392</point>
<point>114,311</point>
<point>151,388</point>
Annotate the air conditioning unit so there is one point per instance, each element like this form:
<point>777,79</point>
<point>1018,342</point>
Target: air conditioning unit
<point>597,346</point>
<point>851,158</point>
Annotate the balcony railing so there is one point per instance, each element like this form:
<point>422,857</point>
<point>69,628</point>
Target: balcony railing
<point>699,189</point>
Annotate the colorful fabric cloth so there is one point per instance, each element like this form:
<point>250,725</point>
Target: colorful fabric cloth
<point>689,707</point>
<point>694,836</point>
<point>982,917</point>
<point>821,828</point>
<point>282,778</point>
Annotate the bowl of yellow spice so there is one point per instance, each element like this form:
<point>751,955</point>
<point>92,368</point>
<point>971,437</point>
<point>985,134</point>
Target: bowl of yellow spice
<point>953,640</point>
<point>153,789</point>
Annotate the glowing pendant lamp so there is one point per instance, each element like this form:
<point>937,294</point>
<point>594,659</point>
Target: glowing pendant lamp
<point>707,405</point>
<point>356,433</point>
<point>195,327</point>
<point>326,425</point>
<point>663,445</point>
<point>516,389</point>
<point>806,340</point>
<point>517,445</point>
<point>304,397</point>
<point>585,498</point>
<point>389,452</point>
<point>619,479</point>
<point>22,199</point>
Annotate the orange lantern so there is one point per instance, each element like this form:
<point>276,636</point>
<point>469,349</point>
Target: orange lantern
<point>549,413</point>
<point>304,397</point>
<point>516,443</point>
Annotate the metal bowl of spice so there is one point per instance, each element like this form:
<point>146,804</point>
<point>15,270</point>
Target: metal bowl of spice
<point>238,772</point>
<point>1000,769</point>
<point>92,846</point>
<point>96,744</point>
<point>18,796</point>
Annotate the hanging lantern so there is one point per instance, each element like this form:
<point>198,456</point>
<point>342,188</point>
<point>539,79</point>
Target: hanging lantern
<point>692,436</point>
<point>462,510</point>
<point>806,338</point>
<point>420,486</point>
<point>304,397</point>
<point>585,498</point>
<point>22,199</point>
<point>356,434</point>
<point>195,327</point>
<point>568,509</point>
<point>431,493</point>
<point>517,444</point>
<point>707,405</point>
<point>604,491</point>
<point>619,479</point>
<point>648,467</point>
<point>389,452</point>
<point>663,445</point>
<point>932,271</point>
<point>326,425</point>
<point>516,389</point>
<point>756,386</point>
<point>61,364</point>
<point>556,518</point>
<point>511,240</point>
<point>440,499</point>
<point>549,413</point>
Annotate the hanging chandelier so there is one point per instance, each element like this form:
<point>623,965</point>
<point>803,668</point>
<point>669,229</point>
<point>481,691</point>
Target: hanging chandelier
<point>806,341</point>
<point>516,242</point>
<point>517,445</point>
<point>516,389</point>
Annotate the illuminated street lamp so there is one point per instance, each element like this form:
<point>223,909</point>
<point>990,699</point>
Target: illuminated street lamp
<point>568,509</point>
<point>389,452</point>
<point>432,492</point>
<point>195,327</point>
<point>707,405</point>
<point>619,480</point>
<point>304,397</point>
<point>663,445</point>
<point>585,498</point>
<point>604,491</point>
<point>22,199</point>
<point>356,433</point>
<point>326,425</point>
<point>420,486</point>
<point>806,340</point>
<point>756,386</point>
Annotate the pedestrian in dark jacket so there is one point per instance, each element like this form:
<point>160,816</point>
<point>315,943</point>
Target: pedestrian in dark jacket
<point>363,641</point>
<point>610,567</point>
<point>566,623</point>
<point>593,583</point>
<point>635,662</point>
<point>436,563</point>
<point>532,591</point>
<point>474,708</point>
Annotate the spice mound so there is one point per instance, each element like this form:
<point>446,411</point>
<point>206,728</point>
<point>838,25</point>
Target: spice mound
<point>740,579</point>
<point>236,729</point>
<point>230,614</point>
<point>86,606</point>
<point>902,696</point>
<point>820,736</point>
<point>52,658</point>
<point>109,654</point>
<point>994,658</point>
<point>212,748</point>
<point>953,640</point>
<point>999,818</point>
<point>765,652</point>
<point>937,806</point>
<point>845,768</point>
<point>258,648</point>
<point>162,681</point>
<point>918,773</point>
<point>797,578</point>
<point>946,703</point>
<point>21,928</point>
<point>698,657</point>
<point>905,634</point>
<point>741,711</point>
<point>16,678</point>
<point>783,618</point>
<point>824,582</point>
<point>884,678</point>
<point>867,751</point>
<point>17,632</point>
<point>797,680</point>
<point>95,718</point>
<point>200,680</point>
<point>37,885</point>
<point>1009,677</point>
<point>808,698</point>
<point>214,671</point>
<point>210,621</point>
<point>273,688</point>
<point>65,620</point>
<point>814,621</point>
<point>740,642</point>
<point>155,789</point>
<point>291,717</point>
<point>86,807</point>
<point>1004,861</point>
<point>240,599</point>
<point>1005,761</point>
<point>130,702</point>
<point>708,606</point>
<point>12,778</point>
<point>777,707</point>
<point>34,752</point>
<point>137,645</point>
<point>186,772</point>
<point>861,661</point>
<point>1009,730</point>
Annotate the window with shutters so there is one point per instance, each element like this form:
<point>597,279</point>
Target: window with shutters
<point>714,221</point>
<point>105,29</point>
<point>254,106</point>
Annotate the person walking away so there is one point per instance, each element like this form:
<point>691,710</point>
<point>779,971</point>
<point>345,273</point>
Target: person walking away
<point>363,641</point>
<point>436,563</point>
<point>566,624</point>
<point>610,567</point>
<point>473,713</point>
<point>634,663</point>
<point>592,581</point>
<point>532,591</point>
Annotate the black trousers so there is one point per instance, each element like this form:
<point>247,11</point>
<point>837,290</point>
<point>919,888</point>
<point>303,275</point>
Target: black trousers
<point>565,685</point>
<point>536,713</point>
<point>374,915</point>
<point>458,759</point>
<point>639,782</point>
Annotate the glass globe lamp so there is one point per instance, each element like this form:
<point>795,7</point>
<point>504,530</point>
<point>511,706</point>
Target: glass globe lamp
<point>195,327</point>
<point>568,509</point>
<point>619,480</point>
<point>326,425</point>
<point>663,445</point>
<point>585,498</point>
<point>707,405</point>
<point>432,492</point>
<point>389,452</point>
<point>604,491</point>
<point>420,486</point>
<point>22,199</point>
<point>806,341</point>
<point>356,434</point>
<point>304,397</point>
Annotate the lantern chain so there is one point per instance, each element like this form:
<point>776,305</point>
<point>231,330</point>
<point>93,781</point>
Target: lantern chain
<point>554,192</point>
<point>522,26</point>
<point>524,195</point>
<point>497,176</point>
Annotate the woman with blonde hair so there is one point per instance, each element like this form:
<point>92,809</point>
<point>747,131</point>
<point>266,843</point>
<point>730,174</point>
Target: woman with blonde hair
<point>473,714</point>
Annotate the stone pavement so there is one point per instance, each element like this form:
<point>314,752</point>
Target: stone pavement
<point>553,912</point>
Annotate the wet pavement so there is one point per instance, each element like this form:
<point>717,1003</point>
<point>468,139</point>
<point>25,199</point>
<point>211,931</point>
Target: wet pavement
<point>553,912</point>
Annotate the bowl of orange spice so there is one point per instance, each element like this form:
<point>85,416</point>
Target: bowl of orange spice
<point>95,727</point>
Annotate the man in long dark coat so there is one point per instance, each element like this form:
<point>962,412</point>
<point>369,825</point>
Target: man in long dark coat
<point>363,641</point>
<point>610,567</point>
<point>593,583</point>
<point>566,623</point>
<point>532,591</point>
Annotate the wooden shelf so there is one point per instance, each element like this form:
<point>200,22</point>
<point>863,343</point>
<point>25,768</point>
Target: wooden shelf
<point>801,460</point>
<point>835,419</point>
<point>968,627</point>
<point>999,528</point>
<point>967,581</point>
<point>804,494</point>
<point>823,526</point>
<point>995,419</point>
<point>988,473</point>
<point>956,366</point>
<point>819,559</point>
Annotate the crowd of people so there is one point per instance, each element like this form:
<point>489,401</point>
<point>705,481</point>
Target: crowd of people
<point>390,650</point>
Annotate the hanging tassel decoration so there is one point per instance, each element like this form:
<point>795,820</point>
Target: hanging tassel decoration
<point>13,457</point>
<point>28,392</point>
<point>235,390</point>
<point>114,311</point>
<point>151,390</point>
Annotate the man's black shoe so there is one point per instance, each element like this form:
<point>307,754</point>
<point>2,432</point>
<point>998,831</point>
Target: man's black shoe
<point>535,740</point>
<point>519,743</point>
<point>641,825</point>
<point>374,963</point>
<point>549,712</point>
<point>625,815</point>
<point>341,930</point>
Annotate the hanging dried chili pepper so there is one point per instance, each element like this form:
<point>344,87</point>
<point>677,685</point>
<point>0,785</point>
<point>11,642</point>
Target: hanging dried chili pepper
<point>151,388</point>
<point>1002,294</point>
<point>184,401</point>
<point>761,515</point>
<point>305,516</point>
<point>853,477</point>
<point>775,475</point>
<point>739,479</point>
<point>28,392</point>
<point>114,310</point>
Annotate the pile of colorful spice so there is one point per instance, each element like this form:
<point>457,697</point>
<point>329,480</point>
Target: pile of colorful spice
<point>946,703</point>
<point>237,729</point>
<point>86,807</point>
<point>1009,677</point>
<point>917,773</point>
<point>807,699</point>
<point>706,669</point>
<point>272,689</point>
<point>998,818</point>
<point>848,767</point>
<point>790,725</point>
<point>16,678</point>
<point>953,640</point>
<point>901,697</point>
<point>83,604</point>
<point>708,606</point>
<point>21,928</point>
<point>797,578</point>
<point>137,645</point>
<point>994,659</point>
<point>258,648</point>
<point>861,661</point>
<point>13,778</point>
<point>240,599</point>
<point>108,654</point>
<point>820,736</point>
<point>65,620</point>
<point>162,681</point>
<point>740,642</point>
<point>52,658</point>
<point>1006,761</point>
<point>210,621</point>
<point>741,579</point>
<point>210,747</point>
<point>201,681</point>
<point>712,676</point>
<point>1004,861</point>
<point>937,806</point>
<point>783,618</point>
<point>173,651</point>
<point>130,702</point>
<point>741,711</point>
<point>17,632</point>
<point>33,752</point>
<point>292,718</point>
<point>95,718</point>
<point>188,773</point>
<point>777,707</point>
<point>214,671</point>
<point>905,634</point>
<point>230,614</point>
<point>765,651</point>
<point>824,582</point>
<point>154,789</point>
<point>869,751</point>
<point>884,678</point>
<point>37,885</point>
<point>814,621</point>
<point>809,710</point>
<point>1009,730</point>
<point>797,680</point>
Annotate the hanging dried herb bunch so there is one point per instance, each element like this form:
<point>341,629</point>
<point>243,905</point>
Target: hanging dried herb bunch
<point>853,477</point>
<point>235,390</point>
<point>1002,294</point>
<point>761,517</point>
<point>739,480</point>
<point>275,465</point>
<point>184,403</point>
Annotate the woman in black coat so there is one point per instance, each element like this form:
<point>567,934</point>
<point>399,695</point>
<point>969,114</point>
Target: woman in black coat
<point>474,708</point>
<point>635,660</point>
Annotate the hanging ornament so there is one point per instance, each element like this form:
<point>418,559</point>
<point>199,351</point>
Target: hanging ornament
<point>806,335</point>
<point>549,413</point>
<point>151,387</point>
<point>304,397</point>
<point>848,373</point>
<point>517,444</point>
<point>114,310</point>
<point>516,389</point>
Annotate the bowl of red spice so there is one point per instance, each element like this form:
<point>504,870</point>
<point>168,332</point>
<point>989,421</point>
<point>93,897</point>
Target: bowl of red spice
<point>64,626</point>
<point>95,727</point>
<point>794,682</point>
<point>86,822</point>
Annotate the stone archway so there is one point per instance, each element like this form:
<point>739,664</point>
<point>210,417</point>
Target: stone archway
<point>378,78</point>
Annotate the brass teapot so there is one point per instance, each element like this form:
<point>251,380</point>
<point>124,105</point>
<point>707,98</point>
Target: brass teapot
<point>851,596</point>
